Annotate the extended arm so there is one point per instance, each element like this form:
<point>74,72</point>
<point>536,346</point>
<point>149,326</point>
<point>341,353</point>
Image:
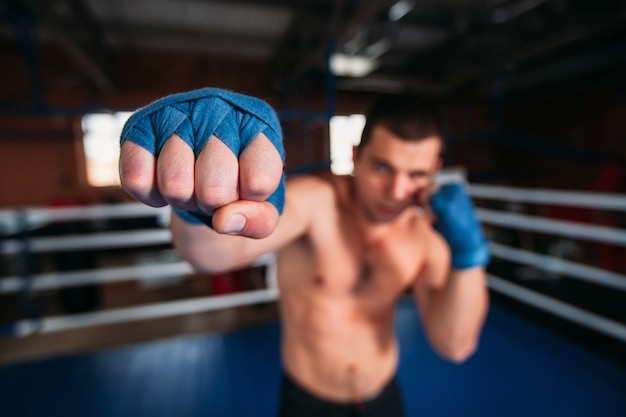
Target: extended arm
<point>207,151</point>
<point>210,251</point>
<point>216,157</point>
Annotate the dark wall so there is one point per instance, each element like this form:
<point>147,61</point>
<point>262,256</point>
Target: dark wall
<point>568,138</point>
<point>41,156</point>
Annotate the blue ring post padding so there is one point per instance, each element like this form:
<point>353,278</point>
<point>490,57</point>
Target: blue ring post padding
<point>234,118</point>
<point>458,224</point>
<point>7,330</point>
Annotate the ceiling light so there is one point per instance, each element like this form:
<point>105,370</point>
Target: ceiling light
<point>400,9</point>
<point>351,65</point>
<point>378,48</point>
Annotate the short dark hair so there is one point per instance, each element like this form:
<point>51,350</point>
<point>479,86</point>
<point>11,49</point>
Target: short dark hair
<point>409,117</point>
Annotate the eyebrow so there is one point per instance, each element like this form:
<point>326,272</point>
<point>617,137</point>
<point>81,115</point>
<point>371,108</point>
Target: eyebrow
<point>380,161</point>
<point>419,172</point>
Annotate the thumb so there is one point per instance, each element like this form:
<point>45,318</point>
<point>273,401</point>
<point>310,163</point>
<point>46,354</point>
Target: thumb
<point>253,219</point>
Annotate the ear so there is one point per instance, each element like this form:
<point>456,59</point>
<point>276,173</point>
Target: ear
<point>355,153</point>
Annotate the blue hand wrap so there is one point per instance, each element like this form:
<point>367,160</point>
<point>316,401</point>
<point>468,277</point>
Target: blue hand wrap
<point>233,118</point>
<point>458,224</point>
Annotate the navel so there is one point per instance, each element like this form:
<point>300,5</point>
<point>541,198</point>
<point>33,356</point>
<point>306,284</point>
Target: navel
<point>351,381</point>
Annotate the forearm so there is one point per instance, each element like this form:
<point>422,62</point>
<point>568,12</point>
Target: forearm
<point>208,251</point>
<point>455,305</point>
<point>455,312</point>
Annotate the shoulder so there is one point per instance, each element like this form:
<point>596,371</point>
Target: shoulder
<point>308,195</point>
<point>320,188</point>
<point>309,187</point>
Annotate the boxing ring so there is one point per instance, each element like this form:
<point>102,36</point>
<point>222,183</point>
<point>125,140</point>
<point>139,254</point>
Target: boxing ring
<point>526,364</point>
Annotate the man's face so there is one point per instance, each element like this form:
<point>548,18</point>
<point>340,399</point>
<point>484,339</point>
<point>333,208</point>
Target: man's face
<point>389,172</point>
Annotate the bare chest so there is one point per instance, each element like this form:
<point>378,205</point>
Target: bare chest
<point>336,263</point>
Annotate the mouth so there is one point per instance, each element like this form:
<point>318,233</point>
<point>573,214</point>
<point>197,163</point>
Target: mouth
<point>386,210</point>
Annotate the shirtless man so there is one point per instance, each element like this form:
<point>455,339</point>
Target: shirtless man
<point>348,247</point>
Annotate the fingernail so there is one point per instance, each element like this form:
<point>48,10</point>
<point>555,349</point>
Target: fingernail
<point>235,224</point>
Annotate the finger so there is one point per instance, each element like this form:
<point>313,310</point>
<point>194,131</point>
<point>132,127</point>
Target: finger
<point>137,174</point>
<point>175,173</point>
<point>216,176</point>
<point>260,169</point>
<point>254,219</point>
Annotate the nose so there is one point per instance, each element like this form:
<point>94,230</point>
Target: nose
<point>400,188</point>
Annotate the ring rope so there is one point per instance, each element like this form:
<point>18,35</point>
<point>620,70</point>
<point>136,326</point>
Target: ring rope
<point>552,264</point>
<point>156,271</point>
<point>546,196</point>
<point>559,308</point>
<point>10,220</point>
<point>559,227</point>
<point>91,241</point>
<point>144,312</point>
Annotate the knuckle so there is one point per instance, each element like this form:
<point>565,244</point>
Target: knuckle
<point>215,196</point>
<point>135,180</point>
<point>176,188</point>
<point>257,187</point>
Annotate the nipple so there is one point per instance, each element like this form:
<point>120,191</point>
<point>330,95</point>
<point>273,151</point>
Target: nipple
<point>318,280</point>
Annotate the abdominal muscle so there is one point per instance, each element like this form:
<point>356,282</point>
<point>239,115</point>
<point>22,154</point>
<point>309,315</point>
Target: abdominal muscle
<point>338,343</point>
<point>338,358</point>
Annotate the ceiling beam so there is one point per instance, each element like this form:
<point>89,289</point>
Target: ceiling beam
<point>392,84</point>
<point>588,30</point>
<point>308,31</point>
<point>307,49</point>
<point>90,55</point>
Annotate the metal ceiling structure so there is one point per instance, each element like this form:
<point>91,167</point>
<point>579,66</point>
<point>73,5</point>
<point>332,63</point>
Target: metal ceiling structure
<point>430,46</point>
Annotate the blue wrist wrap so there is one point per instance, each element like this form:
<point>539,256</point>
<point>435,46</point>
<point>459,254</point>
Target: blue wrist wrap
<point>458,224</point>
<point>233,118</point>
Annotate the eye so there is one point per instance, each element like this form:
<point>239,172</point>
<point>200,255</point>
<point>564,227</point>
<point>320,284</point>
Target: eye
<point>382,168</point>
<point>417,175</point>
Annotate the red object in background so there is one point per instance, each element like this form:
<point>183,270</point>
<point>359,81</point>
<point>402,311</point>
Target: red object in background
<point>68,202</point>
<point>226,283</point>
<point>607,180</point>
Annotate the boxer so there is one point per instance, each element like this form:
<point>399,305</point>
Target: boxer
<point>348,247</point>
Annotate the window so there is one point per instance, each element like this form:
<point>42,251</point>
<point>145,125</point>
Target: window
<point>345,133</point>
<point>101,140</point>
<point>101,135</point>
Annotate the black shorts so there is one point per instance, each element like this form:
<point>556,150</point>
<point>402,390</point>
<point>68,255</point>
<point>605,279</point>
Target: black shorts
<point>296,402</point>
